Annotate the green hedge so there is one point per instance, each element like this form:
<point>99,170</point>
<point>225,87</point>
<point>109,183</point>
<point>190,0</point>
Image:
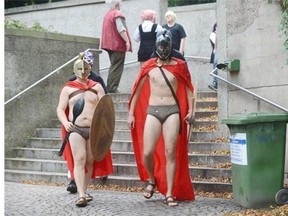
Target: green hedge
<point>171,3</point>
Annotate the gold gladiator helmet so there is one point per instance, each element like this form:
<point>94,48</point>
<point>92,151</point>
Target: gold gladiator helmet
<point>81,67</point>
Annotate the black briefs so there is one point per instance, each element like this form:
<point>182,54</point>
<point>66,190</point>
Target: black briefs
<point>83,131</point>
<point>162,112</point>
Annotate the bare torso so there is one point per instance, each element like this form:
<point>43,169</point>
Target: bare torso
<point>91,99</point>
<point>160,91</point>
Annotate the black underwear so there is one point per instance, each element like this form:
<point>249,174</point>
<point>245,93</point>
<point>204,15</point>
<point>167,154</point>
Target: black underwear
<point>83,131</point>
<point>162,112</point>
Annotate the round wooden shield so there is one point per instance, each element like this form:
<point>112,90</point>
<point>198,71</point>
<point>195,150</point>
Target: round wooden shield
<point>102,128</point>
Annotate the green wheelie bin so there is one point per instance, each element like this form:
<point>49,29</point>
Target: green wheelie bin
<point>257,146</point>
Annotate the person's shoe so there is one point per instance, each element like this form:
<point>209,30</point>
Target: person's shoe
<point>88,197</point>
<point>170,201</point>
<point>149,190</point>
<point>103,178</point>
<point>214,88</point>
<point>81,202</point>
<point>72,188</point>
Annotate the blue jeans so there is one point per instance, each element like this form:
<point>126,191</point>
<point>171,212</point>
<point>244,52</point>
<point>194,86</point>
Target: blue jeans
<point>215,80</point>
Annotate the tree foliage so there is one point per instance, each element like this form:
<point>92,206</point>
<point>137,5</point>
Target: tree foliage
<point>20,3</point>
<point>172,3</point>
<point>284,22</point>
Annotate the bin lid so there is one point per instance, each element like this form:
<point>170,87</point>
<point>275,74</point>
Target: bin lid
<point>255,117</point>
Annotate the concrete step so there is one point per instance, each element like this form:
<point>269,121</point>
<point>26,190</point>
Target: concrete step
<point>201,104</point>
<point>127,181</point>
<point>55,133</point>
<point>123,115</point>
<point>36,164</point>
<point>119,124</point>
<point>122,124</point>
<point>38,160</point>
<point>120,169</point>
<point>201,95</point>
<point>122,145</point>
<point>118,157</point>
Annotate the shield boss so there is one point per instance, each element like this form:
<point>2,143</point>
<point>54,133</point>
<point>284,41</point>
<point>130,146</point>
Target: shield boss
<point>102,128</point>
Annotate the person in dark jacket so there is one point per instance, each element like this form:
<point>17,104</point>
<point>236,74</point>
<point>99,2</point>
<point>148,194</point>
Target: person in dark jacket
<point>145,33</point>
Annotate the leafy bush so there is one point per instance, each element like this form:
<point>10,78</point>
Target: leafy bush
<point>172,3</point>
<point>15,24</point>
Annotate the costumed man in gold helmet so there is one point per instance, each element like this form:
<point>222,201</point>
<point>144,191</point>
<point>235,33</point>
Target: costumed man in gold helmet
<point>77,152</point>
<point>89,58</point>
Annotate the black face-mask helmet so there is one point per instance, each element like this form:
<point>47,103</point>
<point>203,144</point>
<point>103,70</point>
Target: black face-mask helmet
<point>163,45</point>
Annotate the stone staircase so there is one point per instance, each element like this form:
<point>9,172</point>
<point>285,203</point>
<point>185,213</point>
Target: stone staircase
<point>209,157</point>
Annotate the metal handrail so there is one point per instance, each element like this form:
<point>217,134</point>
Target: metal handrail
<point>54,71</point>
<point>73,59</point>
<point>223,66</point>
<point>197,57</point>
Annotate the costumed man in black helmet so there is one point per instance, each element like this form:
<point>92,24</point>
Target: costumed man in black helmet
<point>89,58</point>
<point>77,151</point>
<point>160,106</point>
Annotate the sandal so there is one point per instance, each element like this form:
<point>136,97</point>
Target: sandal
<point>81,202</point>
<point>150,192</point>
<point>88,197</point>
<point>170,201</point>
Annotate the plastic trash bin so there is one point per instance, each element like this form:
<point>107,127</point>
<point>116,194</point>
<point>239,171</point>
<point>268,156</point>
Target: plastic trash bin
<point>257,146</point>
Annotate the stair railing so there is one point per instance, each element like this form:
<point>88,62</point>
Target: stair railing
<point>54,71</point>
<point>222,66</point>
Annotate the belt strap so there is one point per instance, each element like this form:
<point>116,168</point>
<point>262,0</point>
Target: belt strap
<point>174,95</point>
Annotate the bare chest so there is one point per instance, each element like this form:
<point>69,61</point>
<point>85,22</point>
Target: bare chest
<point>157,79</point>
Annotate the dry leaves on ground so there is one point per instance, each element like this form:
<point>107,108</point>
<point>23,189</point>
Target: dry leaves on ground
<point>207,109</point>
<point>218,166</point>
<point>208,99</point>
<point>209,128</point>
<point>273,211</point>
<point>209,118</point>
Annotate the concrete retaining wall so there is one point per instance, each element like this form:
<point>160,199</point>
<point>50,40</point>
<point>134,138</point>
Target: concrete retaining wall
<point>84,18</point>
<point>29,57</point>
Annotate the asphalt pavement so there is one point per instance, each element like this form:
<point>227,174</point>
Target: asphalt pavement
<point>43,200</point>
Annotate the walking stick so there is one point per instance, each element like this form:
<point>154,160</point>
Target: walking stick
<point>77,110</point>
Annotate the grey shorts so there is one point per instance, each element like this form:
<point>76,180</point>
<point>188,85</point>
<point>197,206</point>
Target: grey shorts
<point>83,131</point>
<point>162,112</point>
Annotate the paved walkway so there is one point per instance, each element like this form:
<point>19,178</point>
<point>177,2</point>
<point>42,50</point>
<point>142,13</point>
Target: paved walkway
<point>35,200</point>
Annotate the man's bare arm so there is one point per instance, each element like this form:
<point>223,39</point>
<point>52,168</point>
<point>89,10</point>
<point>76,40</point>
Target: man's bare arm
<point>131,118</point>
<point>190,98</point>
<point>62,105</point>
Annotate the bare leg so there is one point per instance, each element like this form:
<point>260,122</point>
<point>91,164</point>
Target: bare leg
<point>170,133</point>
<point>78,146</point>
<point>89,164</point>
<point>152,130</point>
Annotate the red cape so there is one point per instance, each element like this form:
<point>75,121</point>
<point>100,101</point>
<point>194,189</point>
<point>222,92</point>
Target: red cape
<point>101,168</point>
<point>183,189</point>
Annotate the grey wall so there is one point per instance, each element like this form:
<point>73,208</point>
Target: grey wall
<point>84,18</point>
<point>249,32</point>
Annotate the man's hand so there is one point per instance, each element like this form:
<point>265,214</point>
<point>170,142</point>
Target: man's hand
<point>69,126</point>
<point>189,119</point>
<point>131,121</point>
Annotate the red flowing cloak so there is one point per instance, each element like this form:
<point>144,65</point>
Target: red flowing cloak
<point>183,189</point>
<point>100,168</point>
